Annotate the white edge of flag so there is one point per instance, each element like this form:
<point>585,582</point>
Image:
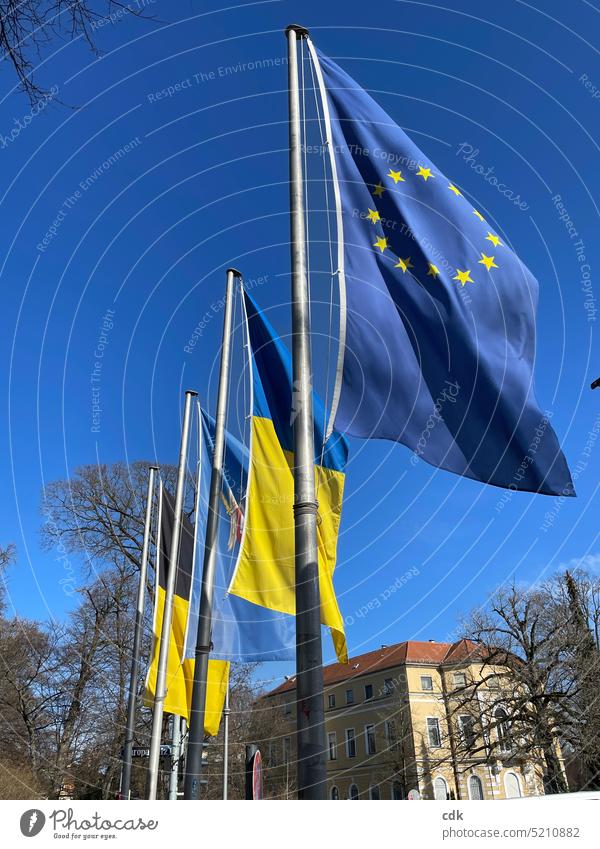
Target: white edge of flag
<point>340,241</point>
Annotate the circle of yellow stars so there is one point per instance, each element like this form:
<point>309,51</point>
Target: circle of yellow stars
<point>463,275</point>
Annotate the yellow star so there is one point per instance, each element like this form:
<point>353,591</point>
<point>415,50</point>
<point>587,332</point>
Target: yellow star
<point>373,215</point>
<point>433,270</point>
<point>425,173</point>
<point>463,276</point>
<point>454,189</point>
<point>381,243</point>
<point>479,215</point>
<point>493,239</point>
<point>488,261</point>
<point>396,176</point>
<point>404,264</point>
<point>379,190</point>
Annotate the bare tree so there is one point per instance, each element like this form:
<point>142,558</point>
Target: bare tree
<point>258,720</point>
<point>98,513</point>
<point>27,27</point>
<point>527,687</point>
<point>7,556</point>
<point>575,598</point>
<point>91,677</point>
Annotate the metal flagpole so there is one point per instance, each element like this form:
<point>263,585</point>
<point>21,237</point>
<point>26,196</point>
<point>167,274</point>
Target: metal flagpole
<point>309,672</point>
<point>226,712</point>
<point>161,674</point>
<point>175,756</point>
<point>193,765</point>
<point>137,643</point>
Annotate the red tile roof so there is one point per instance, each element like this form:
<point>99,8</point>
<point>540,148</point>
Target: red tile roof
<point>386,657</point>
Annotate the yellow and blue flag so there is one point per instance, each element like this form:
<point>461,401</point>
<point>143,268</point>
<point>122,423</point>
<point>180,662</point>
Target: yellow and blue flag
<point>437,328</point>
<point>241,631</point>
<point>180,668</point>
<point>265,573</point>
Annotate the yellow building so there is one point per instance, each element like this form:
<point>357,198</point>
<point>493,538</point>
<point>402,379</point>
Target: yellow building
<point>416,720</point>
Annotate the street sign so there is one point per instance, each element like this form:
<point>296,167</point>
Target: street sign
<point>139,752</point>
<point>254,773</point>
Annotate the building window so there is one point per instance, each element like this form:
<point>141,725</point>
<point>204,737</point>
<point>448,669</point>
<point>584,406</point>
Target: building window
<point>388,686</point>
<point>494,682</point>
<point>459,679</point>
<point>335,793</point>
<point>397,791</point>
<point>466,724</point>
<point>390,733</point>
<point>287,745</point>
<point>433,731</point>
<point>331,700</point>
<point>287,708</point>
<point>332,744</point>
<point>349,697</point>
<point>426,682</point>
<point>440,789</point>
<point>503,729</point>
<point>370,747</point>
<point>353,792</point>
<point>512,786</point>
<point>368,691</point>
<point>475,787</point>
<point>374,792</point>
<point>272,754</point>
<point>350,743</point>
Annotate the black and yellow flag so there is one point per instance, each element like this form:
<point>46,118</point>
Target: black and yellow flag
<point>180,671</point>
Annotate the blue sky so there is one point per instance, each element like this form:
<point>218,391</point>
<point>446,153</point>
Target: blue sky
<point>195,102</point>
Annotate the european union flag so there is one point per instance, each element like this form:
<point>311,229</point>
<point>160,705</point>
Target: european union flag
<point>437,332</point>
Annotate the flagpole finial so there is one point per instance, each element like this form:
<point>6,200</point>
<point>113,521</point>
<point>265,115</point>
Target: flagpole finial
<point>301,32</point>
<point>191,392</point>
<point>234,271</point>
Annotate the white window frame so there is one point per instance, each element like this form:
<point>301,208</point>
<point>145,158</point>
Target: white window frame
<point>447,791</point>
<point>436,719</point>
<point>335,789</point>
<point>370,725</point>
<point>519,785</point>
<point>368,698</point>
<point>478,778</point>
<point>350,790</point>
<point>373,787</point>
<point>330,735</point>
<point>331,700</point>
<point>504,740</point>
<point>427,689</point>
<point>388,686</point>
<point>392,739</point>
<point>351,691</point>
<point>347,742</point>
<point>467,743</point>
<point>463,678</point>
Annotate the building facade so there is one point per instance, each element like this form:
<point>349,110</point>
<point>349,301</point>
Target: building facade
<point>419,720</point>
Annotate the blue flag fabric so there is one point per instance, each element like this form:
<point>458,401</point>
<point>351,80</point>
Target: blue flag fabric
<point>437,329</point>
<point>242,631</point>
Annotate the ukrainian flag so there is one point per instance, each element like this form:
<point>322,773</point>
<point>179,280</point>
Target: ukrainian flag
<point>180,670</point>
<point>265,572</point>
